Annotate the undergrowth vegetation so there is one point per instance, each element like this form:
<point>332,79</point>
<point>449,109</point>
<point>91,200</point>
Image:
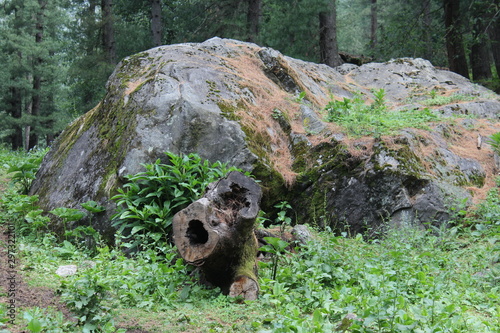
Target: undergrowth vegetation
<point>359,118</point>
<point>436,100</point>
<point>149,200</point>
<point>411,280</point>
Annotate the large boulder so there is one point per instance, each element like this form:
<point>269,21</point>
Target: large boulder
<point>240,103</point>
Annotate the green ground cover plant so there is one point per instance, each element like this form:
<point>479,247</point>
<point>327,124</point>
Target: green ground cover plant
<point>359,118</point>
<point>411,280</point>
<point>438,100</point>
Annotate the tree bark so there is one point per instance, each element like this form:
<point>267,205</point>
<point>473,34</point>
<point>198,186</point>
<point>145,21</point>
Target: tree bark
<point>15,110</point>
<point>108,32</point>
<point>156,22</point>
<point>253,19</point>
<point>457,60</point>
<point>373,25</point>
<point>480,51</point>
<point>494,33</point>
<point>216,233</point>
<point>36,100</point>
<point>27,129</point>
<point>90,25</point>
<point>427,30</point>
<point>14,96</point>
<point>329,53</point>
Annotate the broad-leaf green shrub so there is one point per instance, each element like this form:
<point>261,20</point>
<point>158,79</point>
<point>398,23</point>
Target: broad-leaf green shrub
<point>22,211</point>
<point>86,297</point>
<point>47,320</point>
<point>67,215</point>
<point>23,170</point>
<point>150,199</point>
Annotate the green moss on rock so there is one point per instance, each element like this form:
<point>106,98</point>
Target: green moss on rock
<point>229,111</point>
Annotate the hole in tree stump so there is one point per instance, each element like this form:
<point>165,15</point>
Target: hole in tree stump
<point>196,233</point>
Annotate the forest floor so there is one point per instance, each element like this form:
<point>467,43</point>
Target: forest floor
<point>16,291</point>
<point>13,287</point>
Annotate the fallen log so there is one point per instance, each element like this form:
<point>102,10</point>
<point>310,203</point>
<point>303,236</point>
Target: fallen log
<point>216,233</point>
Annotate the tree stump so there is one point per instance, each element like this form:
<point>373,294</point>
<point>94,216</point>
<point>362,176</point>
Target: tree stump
<point>216,233</point>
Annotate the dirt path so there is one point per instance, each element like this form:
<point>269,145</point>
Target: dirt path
<point>15,292</point>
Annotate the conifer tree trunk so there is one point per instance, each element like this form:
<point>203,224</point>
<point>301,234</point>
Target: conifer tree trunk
<point>494,33</point>
<point>253,19</point>
<point>373,24</point>
<point>457,60</point>
<point>28,109</point>
<point>156,22</point>
<point>14,93</point>
<point>36,101</point>
<point>329,53</point>
<point>480,51</point>
<point>427,30</point>
<point>90,25</point>
<point>15,110</point>
<point>108,32</point>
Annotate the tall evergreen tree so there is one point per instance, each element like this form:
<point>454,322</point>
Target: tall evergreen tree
<point>412,28</point>
<point>31,31</point>
<point>454,42</point>
<point>253,19</point>
<point>156,22</point>
<point>36,100</point>
<point>480,48</point>
<point>329,53</point>
<point>427,29</point>
<point>373,24</point>
<point>108,31</point>
<point>15,43</point>
<point>494,34</point>
<point>93,52</point>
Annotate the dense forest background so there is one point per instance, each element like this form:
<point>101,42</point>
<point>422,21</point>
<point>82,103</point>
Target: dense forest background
<point>56,55</point>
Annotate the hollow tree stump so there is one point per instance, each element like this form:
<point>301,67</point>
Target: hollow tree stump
<point>216,233</point>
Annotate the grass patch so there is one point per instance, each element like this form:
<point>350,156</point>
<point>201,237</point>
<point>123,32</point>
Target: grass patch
<point>438,100</point>
<point>360,119</point>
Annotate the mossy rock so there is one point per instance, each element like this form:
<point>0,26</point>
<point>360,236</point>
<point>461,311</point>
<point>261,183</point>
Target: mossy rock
<point>261,111</point>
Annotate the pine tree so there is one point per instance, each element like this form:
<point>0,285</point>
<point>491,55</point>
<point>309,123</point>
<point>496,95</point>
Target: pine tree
<point>253,19</point>
<point>328,48</point>
<point>494,34</point>
<point>108,31</point>
<point>156,22</point>
<point>33,75</point>
<point>480,49</point>
<point>454,41</point>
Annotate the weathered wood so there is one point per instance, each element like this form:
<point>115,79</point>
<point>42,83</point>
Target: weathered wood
<point>216,234</point>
